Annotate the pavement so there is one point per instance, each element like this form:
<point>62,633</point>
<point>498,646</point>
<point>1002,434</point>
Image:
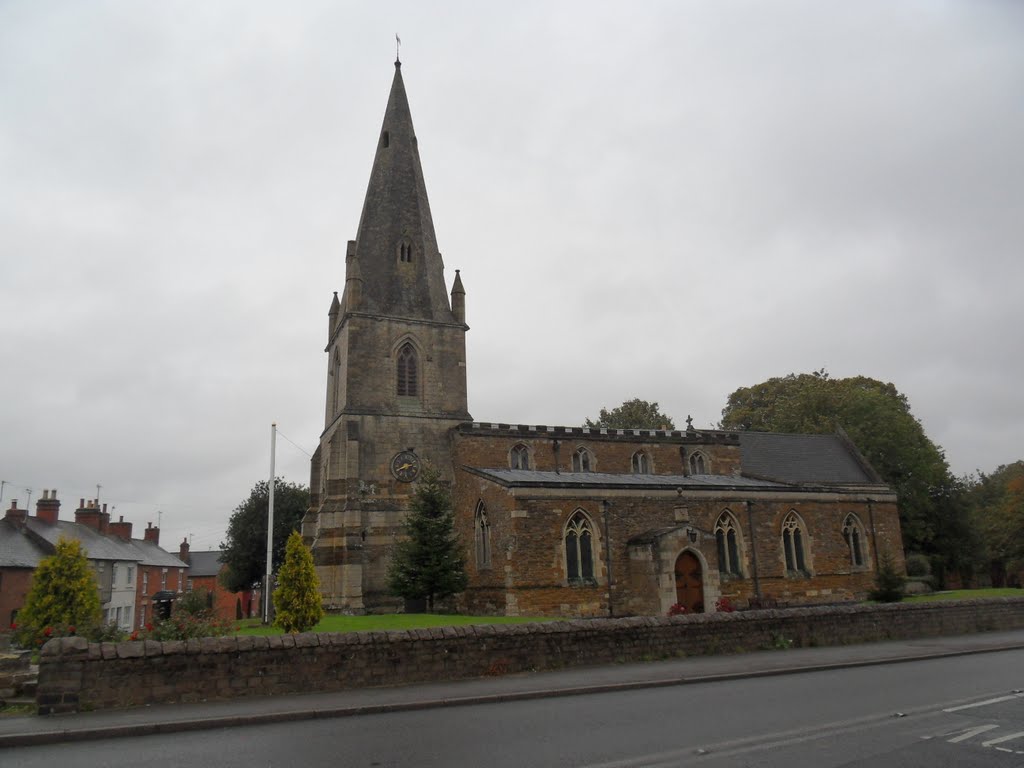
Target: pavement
<point>168,718</point>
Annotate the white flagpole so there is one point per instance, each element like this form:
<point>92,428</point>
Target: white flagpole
<point>270,529</point>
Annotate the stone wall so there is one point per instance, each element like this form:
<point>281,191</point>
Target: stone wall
<point>75,675</point>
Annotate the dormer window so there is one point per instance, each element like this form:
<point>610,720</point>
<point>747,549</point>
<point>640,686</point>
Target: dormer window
<point>405,252</point>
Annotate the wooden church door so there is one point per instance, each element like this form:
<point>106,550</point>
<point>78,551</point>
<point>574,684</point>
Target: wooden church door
<point>689,583</point>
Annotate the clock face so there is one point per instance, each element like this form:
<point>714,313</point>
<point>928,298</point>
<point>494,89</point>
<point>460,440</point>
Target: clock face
<point>405,466</point>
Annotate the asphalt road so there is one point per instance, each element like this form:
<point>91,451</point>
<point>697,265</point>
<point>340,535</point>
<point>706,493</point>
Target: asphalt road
<point>964,711</point>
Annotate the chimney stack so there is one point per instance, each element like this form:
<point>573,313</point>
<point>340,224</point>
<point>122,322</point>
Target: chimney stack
<point>121,529</point>
<point>183,550</point>
<point>88,514</point>
<point>104,519</point>
<point>152,534</point>
<point>48,507</point>
<point>15,515</point>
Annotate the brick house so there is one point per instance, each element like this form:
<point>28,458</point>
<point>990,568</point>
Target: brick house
<point>205,569</point>
<point>117,560</point>
<point>558,521</point>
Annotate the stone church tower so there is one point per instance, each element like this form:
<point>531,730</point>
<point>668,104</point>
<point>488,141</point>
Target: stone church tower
<point>396,375</point>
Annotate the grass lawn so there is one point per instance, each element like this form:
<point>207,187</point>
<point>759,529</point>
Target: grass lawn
<point>387,621</point>
<point>965,594</point>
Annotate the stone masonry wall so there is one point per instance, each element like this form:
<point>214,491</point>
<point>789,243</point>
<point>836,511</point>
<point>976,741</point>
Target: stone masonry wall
<point>75,675</point>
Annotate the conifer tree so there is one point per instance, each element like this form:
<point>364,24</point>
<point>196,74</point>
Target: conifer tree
<point>297,599</point>
<point>64,598</point>
<point>429,563</point>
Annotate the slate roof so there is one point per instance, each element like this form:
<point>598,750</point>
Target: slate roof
<point>800,459</point>
<point>151,554</point>
<point>204,563</point>
<point>96,545</point>
<point>17,549</point>
<point>532,478</point>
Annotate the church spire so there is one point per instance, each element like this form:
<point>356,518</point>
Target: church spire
<point>396,248</point>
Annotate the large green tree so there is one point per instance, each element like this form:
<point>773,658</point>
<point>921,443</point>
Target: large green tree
<point>428,564</point>
<point>64,597</point>
<point>878,420</point>
<point>297,600</point>
<point>632,414</point>
<point>997,510</point>
<point>244,551</point>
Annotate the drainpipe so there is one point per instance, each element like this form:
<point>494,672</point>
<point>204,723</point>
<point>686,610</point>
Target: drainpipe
<point>608,556</point>
<point>874,538</point>
<point>753,550</point>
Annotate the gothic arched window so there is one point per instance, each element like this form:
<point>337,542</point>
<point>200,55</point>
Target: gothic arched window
<point>405,252</point>
<point>482,536</point>
<point>408,378</point>
<point>519,457</point>
<point>641,464</point>
<point>698,464</point>
<point>793,544</point>
<point>727,537</point>
<point>853,533</point>
<point>581,460</point>
<point>579,548</point>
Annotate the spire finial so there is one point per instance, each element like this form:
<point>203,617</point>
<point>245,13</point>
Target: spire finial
<point>689,423</point>
<point>398,50</point>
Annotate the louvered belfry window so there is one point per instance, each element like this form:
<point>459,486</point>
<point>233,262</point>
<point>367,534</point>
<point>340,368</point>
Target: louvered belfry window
<point>408,373</point>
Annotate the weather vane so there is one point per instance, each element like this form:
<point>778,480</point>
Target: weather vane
<point>398,47</point>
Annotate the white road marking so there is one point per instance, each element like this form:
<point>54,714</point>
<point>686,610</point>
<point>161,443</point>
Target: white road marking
<point>970,732</point>
<point>985,703</point>
<point>1001,739</point>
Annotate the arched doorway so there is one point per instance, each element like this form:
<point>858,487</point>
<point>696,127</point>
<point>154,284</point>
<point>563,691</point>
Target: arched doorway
<point>689,583</point>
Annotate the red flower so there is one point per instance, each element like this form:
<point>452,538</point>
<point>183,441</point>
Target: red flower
<point>14,625</point>
<point>149,627</point>
<point>48,631</point>
<point>134,635</point>
<point>71,629</point>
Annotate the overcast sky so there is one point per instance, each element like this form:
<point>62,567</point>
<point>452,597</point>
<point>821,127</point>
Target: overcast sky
<point>658,200</point>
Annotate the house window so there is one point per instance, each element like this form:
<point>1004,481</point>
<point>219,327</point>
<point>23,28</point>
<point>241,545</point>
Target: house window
<point>113,575</point>
<point>145,581</point>
<point>727,538</point>
<point>408,380</point>
<point>519,457</point>
<point>163,579</point>
<point>581,460</point>
<point>579,549</point>
<point>131,575</point>
<point>128,617</point>
<point>641,464</point>
<point>793,544</point>
<point>181,579</point>
<point>853,533</point>
<point>698,464</point>
<point>482,536</point>
<point>142,616</point>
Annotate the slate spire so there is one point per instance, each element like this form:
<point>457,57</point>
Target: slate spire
<point>402,273</point>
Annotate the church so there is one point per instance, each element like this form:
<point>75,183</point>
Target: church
<point>555,520</point>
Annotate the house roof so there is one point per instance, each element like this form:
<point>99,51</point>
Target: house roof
<point>17,548</point>
<point>204,563</point>
<point>803,459</point>
<point>515,478</point>
<point>97,546</point>
<point>151,554</point>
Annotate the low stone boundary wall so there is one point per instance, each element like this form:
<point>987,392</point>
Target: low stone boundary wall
<point>75,675</point>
